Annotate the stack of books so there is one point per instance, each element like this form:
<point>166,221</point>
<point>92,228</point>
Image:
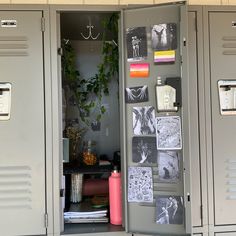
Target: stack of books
<point>83,212</point>
<point>86,217</point>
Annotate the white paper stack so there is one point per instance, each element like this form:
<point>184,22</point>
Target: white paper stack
<point>86,217</point>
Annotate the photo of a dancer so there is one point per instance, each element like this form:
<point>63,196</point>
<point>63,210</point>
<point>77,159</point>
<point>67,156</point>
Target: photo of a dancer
<point>169,210</point>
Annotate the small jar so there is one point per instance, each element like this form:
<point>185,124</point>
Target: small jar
<point>89,153</point>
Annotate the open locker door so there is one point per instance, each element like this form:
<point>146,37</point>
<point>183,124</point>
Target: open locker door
<point>155,118</point>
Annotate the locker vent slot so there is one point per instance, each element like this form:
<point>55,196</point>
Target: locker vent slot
<point>13,38</point>
<point>229,38</point>
<point>229,52</point>
<point>15,187</point>
<point>13,46</point>
<point>13,54</point>
<point>231,179</point>
<point>229,45</point>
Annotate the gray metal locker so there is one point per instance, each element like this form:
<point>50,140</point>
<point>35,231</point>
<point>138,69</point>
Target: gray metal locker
<point>195,153</point>
<point>222,53</point>
<point>22,139</point>
<point>142,217</point>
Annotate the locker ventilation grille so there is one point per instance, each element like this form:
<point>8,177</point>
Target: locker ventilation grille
<point>231,179</point>
<point>15,187</point>
<point>13,46</point>
<point>230,44</point>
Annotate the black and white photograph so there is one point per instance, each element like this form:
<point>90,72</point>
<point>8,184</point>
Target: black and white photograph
<point>144,150</point>
<point>164,37</point>
<point>144,120</point>
<point>136,94</point>
<point>168,166</point>
<point>136,39</point>
<point>140,186</point>
<point>169,210</point>
<point>168,131</point>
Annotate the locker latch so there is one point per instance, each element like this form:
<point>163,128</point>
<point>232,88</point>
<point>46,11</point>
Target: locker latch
<point>62,192</point>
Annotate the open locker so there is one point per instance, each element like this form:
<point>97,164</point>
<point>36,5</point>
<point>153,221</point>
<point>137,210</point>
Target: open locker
<point>93,116</point>
<point>144,72</point>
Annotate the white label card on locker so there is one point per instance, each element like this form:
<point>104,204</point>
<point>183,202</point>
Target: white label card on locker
<point>5,101</point>
<point>166,98</point>
<point>227,97</point>
<point>8,23</point>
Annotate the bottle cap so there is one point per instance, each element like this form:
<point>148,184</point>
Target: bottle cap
<point>115,169</point>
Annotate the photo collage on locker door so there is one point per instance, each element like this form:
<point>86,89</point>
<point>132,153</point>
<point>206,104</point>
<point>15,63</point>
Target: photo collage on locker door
<point>157,139</point>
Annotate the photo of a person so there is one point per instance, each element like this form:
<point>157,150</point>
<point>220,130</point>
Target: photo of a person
<point>164,36</point>
<point>136,40</point>
<point>168,166</point>
<point>169,210</point>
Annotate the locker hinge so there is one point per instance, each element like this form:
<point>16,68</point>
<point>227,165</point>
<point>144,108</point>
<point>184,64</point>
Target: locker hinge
<point>46,220</point>
<point>196,25</point>
<point>42,24</point>
<point>60,51</point>
<point>201,212</point>
<point>184,42</point>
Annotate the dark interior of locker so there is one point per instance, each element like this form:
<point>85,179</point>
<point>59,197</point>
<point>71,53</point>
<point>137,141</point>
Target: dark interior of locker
<point>90,118</point>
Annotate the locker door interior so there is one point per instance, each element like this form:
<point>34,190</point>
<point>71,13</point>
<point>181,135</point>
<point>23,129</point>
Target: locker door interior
<point>156,121</point>
<point>22,139</point>
<point>223,106</point>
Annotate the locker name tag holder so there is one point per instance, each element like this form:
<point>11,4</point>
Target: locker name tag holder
<point>227,96</point>
<point>5,101</point>
<point>8,23</point>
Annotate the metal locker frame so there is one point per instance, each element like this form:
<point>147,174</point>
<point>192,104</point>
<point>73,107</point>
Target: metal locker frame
<point>57,116</point>
<point>56,105</point>
<point>199,100</point>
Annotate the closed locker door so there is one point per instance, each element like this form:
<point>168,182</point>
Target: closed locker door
<point>22,133</point>
<point>222,67</point>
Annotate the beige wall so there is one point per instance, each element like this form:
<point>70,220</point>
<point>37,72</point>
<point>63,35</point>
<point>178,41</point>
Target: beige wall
<point>116,2</point>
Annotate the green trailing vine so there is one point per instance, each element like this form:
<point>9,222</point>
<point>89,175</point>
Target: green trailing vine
<point>88,93</point>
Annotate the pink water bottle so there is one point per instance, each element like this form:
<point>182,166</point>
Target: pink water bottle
<point>115,198</point>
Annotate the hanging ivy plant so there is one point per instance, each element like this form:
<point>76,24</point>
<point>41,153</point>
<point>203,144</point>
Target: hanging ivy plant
<point>88,93</point>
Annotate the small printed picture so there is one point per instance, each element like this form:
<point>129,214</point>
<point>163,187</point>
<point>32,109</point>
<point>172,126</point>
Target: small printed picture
<point>140,70</point>
<point>136,94</point>
<point>169,210</point>
<point>136,39</point>
<point>144,120</point>
<point>140,186</point>
<point>168,166</point>
<point>164,37</point>
<point>168,131</point>
<point>161,57</point>
<point>144,150</point>
<point>96,125</point>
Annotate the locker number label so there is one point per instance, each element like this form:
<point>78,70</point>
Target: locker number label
<point>8,23</point>
<point>234,24</point>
